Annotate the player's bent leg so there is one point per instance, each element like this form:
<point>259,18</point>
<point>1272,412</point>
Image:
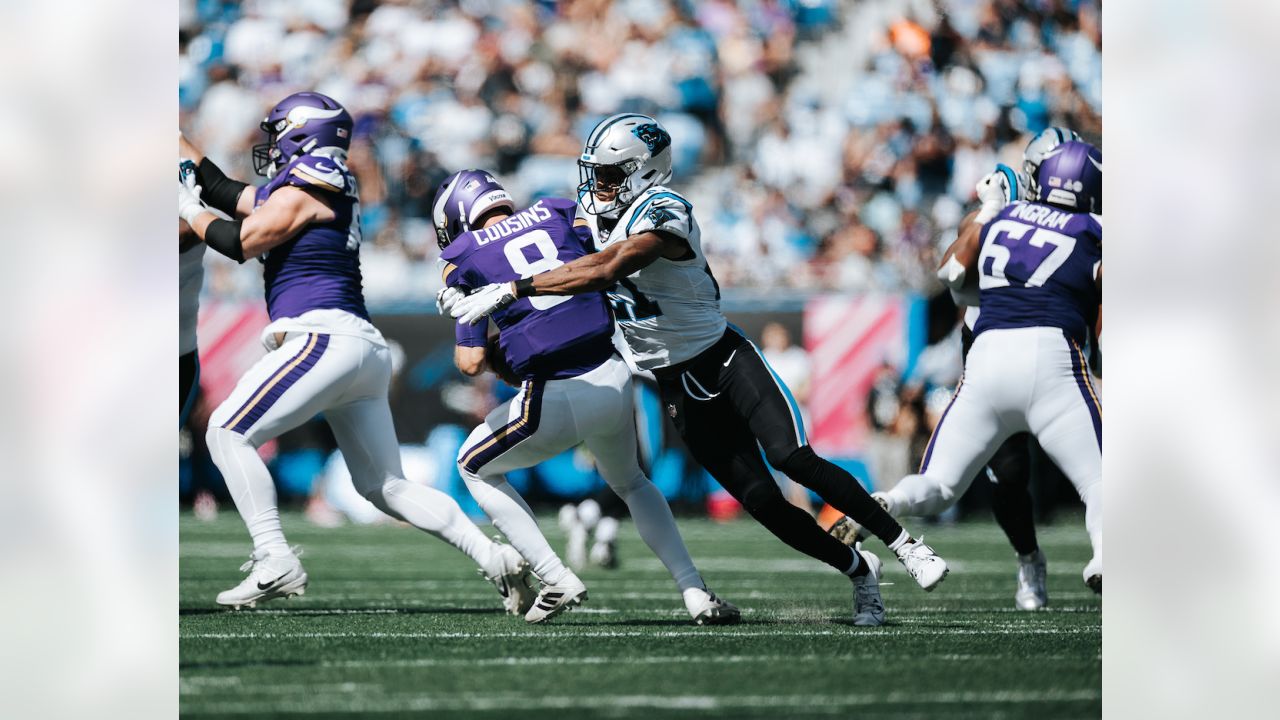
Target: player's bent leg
<point>1066,418</point>
<point>366,434</point>
<point>763,401</point>
<point>534,425</point>
<point>284,389</point>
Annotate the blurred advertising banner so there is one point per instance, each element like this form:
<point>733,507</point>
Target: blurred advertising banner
<point>229,335</point>
<point>849,337</point>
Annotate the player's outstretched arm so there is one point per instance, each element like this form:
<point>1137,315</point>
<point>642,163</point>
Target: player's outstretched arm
<point>282,216</point>
<point>220,191</point>
<point>590,273</point>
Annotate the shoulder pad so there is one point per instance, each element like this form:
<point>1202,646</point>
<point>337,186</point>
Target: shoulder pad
<point>312,171</point>
<point>661,209</point>
<point>460,246</point>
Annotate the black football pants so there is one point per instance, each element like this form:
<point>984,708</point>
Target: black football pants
<point>728,405</point>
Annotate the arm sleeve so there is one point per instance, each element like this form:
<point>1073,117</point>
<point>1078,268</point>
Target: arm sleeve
<point>465,334</point>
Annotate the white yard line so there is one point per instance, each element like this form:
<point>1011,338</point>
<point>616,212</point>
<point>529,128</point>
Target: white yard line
<point>563,633</point>
<point>343,700</point>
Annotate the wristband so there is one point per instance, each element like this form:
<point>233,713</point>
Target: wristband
<point>524,288</point>
<point>224,237</point>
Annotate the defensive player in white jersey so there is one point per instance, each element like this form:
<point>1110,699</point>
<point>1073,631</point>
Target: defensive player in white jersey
<point>1010,466</point>
<point>1037,268</point>
<point>574,387</point>
<point>725,401</point>
<point>324,353</point>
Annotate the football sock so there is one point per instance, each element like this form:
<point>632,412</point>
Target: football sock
<point>657,527</point>
<point>1011,505</point>
<point>838,488</point>
<point>1092,497</point>
<point>858,568</point>
<point>251,488</point>
<point>436,513</point>
<point>515,520</point>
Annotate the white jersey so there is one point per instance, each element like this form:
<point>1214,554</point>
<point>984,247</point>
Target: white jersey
<point>669,311</point>
<point>190,278</point>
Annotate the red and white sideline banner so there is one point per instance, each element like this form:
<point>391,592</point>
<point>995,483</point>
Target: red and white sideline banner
<point>848,338</point>
<point>229,334</point>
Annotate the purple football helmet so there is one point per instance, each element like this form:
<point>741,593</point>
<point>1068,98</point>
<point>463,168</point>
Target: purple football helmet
<point>462,199</point>
<point>300,124</point>
<point>1070,176</point>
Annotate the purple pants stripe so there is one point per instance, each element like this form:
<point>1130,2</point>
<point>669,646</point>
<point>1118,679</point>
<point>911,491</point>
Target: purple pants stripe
<point>928,450</point>
<point>1081,373</point>
<point>270,391</point>
<point>511,434</point>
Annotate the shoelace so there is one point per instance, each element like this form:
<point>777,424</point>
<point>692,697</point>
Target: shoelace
<point>255,557</point>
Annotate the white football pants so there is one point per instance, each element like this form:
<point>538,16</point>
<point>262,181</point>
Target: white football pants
<point>1025,379</point>
<point>346,377</point>
<point>543,420</point>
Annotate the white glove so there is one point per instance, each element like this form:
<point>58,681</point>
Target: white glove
<point>446,298</point>
<point>189,205</point>
<point>994,193</point>
<point>483,302</point>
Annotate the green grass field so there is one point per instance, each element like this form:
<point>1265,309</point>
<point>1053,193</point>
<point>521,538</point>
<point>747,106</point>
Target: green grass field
<point>396,623</point>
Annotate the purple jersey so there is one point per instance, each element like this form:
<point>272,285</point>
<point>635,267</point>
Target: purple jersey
<point>545,337</point>
<point>1038,267</point>
<point>319,268</point>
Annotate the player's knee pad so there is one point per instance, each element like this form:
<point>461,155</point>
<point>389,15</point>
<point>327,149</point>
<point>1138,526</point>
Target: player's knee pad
<point>788,458</point>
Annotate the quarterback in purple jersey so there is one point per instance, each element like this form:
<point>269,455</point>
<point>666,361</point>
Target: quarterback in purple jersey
<point>324,356</point>
<point>574,387</point>
<point>1037,269</point>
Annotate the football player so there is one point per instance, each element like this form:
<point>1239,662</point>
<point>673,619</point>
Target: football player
<point>324,353</point>
<point>1010,466</point>
<point>574,386</point>
<point>725,401</point>
<point>1037,269</point>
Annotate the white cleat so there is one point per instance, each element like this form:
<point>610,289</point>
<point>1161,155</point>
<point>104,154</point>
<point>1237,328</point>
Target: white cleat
<point>868,606</point>
<point>922,564</point>
<point>1093,574</point>
<point>270,576</point>
<point>555,599</point>
<point>511,575</point>
<point>1033,591</point>
<point>707,609</point>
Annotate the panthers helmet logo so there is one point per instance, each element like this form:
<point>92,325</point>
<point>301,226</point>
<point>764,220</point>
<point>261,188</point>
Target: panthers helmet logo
<point>653,136</point>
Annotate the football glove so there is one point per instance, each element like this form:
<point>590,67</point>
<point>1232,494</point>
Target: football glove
<point>483,302</point>
<point>994,193</point>
<point>189,205</point>
<point>446,298</point>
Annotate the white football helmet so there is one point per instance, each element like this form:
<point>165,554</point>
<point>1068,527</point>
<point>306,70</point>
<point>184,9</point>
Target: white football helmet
<point>625,155</point>
<point>1040,145</point>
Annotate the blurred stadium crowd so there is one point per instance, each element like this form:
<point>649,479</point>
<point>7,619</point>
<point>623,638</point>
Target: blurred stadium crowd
<point>827,145</point>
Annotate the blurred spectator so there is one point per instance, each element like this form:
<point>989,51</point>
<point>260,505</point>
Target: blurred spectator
<point>818,139</point>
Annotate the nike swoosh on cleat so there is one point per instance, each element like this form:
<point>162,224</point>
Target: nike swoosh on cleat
<point>264,586</point>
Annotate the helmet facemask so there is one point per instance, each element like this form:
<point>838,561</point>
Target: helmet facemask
<point>611,181</point>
